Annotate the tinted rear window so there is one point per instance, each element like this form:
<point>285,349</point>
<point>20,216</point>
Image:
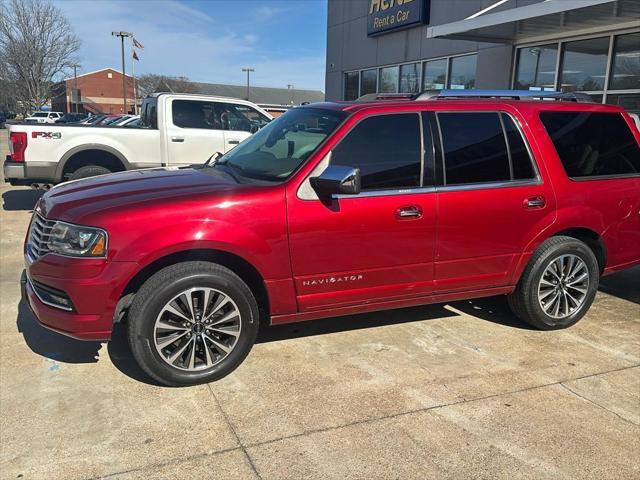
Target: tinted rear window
<point>522,166</point>
<point>474,147</point>
<point>593,143</point>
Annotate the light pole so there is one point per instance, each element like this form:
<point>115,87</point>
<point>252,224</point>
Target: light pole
<point>248,70</point>
<point>75,86</point>
<point>122,36</point>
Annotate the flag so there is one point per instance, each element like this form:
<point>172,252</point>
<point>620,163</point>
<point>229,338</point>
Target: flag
<point>136,43</point>
<point>135,56</point>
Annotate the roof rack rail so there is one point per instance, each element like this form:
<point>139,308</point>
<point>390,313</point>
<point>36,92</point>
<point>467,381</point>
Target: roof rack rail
<point>372,97</point>
<point>470,94</point>
<point>510,94</point>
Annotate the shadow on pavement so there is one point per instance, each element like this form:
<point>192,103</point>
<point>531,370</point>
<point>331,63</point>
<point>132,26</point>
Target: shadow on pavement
<point>492,309</point>
<point>122,358</point>
<point>52,345</point>
<point>20,199</point>
<point>352,322</point>
<point>624,285</point>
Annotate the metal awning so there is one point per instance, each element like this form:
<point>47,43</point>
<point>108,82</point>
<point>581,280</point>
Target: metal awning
<point>545,20</point>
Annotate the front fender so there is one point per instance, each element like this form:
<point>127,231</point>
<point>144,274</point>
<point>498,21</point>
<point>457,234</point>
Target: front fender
<point>268,254</point>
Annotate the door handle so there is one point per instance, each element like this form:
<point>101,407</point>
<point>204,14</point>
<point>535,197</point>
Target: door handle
<point>534,202</point>
<point>177,139</point>
<point>409,212</point>
<point>233,142</point>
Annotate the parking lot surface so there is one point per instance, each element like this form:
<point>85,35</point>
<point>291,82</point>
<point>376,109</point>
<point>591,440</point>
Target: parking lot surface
<point>460,390</point>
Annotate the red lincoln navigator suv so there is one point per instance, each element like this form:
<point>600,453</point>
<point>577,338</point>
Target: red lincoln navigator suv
<point>340,208</point>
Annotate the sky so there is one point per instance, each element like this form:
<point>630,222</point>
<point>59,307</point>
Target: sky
<point>207,40</point>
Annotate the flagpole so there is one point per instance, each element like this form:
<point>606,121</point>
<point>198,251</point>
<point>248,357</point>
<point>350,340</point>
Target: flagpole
<point>133,73</point>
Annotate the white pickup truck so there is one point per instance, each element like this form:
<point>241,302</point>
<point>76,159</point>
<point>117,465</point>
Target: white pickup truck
<point>175,129</point>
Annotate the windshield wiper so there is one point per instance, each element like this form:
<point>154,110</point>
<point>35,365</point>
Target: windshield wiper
<point>211,161</point>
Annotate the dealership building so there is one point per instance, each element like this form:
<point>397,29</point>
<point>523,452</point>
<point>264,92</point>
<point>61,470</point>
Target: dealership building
<point>407,46</point>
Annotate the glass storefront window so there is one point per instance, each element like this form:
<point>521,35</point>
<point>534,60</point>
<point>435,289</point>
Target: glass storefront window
<point>629,101</point>
<point>434,75</point>
<point>584,64</point>
<point>463,72</point>
<point>409,78</point>
<point>368,81</point>
<point>351,81</point>
<point>625,72</point>
<point>388,80</point>
<point>536,68</point>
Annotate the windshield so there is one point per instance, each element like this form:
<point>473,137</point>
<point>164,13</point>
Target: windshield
<point>40,114</point>
<point>277,150</point>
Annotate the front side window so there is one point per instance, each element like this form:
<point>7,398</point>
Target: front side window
<point>584,64</point>
<point>593,144</point>
<point>277,150</point>
<point>231,116</point>
<point>386,149</point>
<point>463,72</point>
<point>474,148</point>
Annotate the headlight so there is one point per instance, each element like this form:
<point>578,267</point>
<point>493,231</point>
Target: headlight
<point>77,241</point>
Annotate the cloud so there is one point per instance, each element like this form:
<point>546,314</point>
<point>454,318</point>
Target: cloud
<point>182,40</point>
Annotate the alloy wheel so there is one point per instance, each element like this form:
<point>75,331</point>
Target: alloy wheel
<point>197,329</point>
<point>563,286</point>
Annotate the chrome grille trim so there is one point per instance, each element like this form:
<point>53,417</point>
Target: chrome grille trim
<point>38,244</point>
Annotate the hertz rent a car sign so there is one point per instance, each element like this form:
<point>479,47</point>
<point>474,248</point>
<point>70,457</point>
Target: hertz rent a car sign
<point>389,15</point>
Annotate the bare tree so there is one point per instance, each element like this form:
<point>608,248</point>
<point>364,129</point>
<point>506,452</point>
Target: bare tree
<point>148,83</point>
<point>36,47</point>
<point>152,82</point>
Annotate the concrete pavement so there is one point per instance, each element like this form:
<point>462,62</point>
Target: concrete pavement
<point>459,390</point>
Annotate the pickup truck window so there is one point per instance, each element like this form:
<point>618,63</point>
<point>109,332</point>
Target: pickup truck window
<point>386,149</point>
<point>592,144</point>
<point>217,116</point>
<point>474,147</point>
<point>149,114</point>
<point>239,117</point>
<point>278,149</point>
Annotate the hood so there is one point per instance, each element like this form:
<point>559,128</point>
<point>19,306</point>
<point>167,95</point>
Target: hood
<point>76,200</point>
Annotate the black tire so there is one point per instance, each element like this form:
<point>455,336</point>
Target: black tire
<point>89,171</point>
<point>524,300</point>
<point>160,289</point>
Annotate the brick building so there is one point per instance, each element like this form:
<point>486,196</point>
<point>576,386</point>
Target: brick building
<point>97,92</point>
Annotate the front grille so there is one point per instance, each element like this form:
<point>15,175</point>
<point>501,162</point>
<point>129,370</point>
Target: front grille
<point>38,243</point>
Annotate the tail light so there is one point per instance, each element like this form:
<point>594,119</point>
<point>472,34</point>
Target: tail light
<point>18,144</point>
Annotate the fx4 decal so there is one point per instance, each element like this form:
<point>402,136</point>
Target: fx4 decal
<point>54,135</point>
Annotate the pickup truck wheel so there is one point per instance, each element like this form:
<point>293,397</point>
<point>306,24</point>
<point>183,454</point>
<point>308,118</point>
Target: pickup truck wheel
<point>191,323</point>
<point>89,171</point>
<point>558,286</point>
